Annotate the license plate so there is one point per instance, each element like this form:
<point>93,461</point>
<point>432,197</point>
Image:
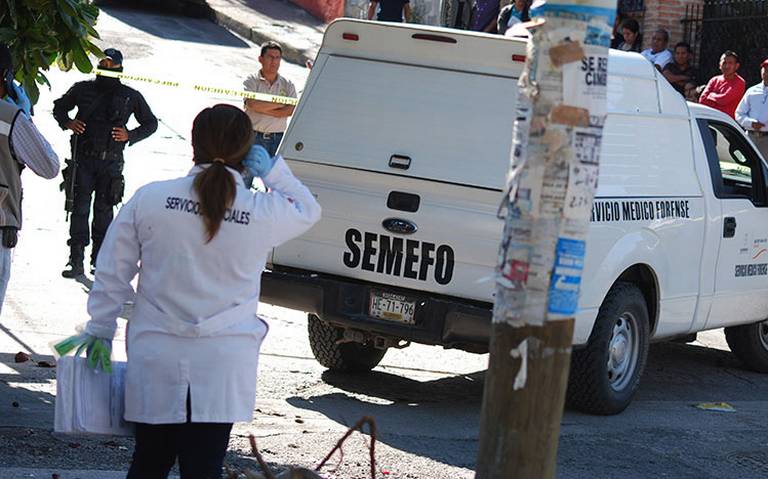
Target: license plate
<point>392,307</point>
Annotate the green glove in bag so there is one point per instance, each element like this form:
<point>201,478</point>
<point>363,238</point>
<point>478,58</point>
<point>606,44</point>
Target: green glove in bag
<point>97,350</point>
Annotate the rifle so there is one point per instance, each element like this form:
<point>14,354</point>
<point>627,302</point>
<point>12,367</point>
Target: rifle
<point>69,182</point>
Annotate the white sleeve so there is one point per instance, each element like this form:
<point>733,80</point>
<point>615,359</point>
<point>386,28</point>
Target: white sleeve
<point>664,59</point>
<point>290,205</point>
<point>116,266</point>
<point>742,113</point>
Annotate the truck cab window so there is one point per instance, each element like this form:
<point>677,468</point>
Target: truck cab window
<point>737,171</point>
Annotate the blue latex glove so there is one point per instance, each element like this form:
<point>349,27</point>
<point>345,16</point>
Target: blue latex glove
<point>22,100</point>
<point>98,350</point>
<point>258,162</point>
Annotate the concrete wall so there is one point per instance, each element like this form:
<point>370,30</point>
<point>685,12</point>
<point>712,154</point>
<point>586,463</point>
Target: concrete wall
<point>325,10</point>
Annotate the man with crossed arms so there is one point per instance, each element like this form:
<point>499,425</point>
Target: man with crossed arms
<point>269,120</point>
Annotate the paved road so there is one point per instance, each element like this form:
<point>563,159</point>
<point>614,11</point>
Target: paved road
<point>426,400</point>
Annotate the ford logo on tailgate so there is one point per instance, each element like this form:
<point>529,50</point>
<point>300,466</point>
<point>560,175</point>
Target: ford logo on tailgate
<point>399,226</point>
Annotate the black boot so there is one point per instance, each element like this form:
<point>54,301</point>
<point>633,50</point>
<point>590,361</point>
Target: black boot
<point>75,262</point>
<point>74,269</point>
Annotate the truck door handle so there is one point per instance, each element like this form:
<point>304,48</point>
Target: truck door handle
<point>401,162</point>
<point>397,200</point>
<point>729,227</point>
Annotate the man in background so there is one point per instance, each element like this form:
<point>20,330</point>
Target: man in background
<point>99,137</point>
<point>679,73</point>
<point>269,120</point>
<point>723,92</point>
<point>391,10</point>
<point>658,53</point>
<point>752,112</point>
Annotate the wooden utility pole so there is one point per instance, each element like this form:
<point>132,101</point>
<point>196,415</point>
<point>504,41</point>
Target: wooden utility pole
<point>561,110</point>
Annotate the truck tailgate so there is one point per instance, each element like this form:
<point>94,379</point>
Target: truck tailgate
<point>452,250</point>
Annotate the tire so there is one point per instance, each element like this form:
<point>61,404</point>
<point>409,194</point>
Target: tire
<point>606,373</point>
<point>750,344</point>
<point>347,357</point>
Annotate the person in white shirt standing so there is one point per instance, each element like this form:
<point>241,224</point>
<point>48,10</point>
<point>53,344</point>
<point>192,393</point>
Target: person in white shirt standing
<point>752,112</point>
<point>270,120</point>
<point>21,144</point>
<point>658,53</point>
<point>198,244</point>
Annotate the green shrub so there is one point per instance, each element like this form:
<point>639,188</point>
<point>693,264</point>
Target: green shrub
<point>41,32</point>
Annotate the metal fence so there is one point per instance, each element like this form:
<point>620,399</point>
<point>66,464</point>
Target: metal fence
<point>631,6</point>
<point>719,25</point>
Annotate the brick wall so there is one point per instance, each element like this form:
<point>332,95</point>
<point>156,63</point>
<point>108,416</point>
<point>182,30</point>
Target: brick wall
<point>664,14</point>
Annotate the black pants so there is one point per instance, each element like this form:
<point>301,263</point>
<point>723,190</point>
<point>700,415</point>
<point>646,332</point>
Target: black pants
<point>200,448</point>
<point>94,175</point>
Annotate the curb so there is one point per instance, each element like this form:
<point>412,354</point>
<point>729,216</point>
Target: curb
<point>34,473</point>
<point>202,8</point>
<point>290,53</point>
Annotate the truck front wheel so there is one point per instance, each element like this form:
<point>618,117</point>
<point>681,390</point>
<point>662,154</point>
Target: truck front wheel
<point>349,357</point>
<point>750,344</point>
<point>606,373</point>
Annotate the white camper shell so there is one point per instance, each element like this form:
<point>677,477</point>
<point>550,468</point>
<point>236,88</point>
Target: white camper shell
<point>403,133</point>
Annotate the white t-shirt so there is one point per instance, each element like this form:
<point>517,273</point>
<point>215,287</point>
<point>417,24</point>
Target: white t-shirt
<point>659,58</point>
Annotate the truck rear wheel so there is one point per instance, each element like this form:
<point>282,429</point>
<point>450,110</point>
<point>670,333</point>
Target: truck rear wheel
<point>349,357</point>
<point>750,344</point>
<point>606,373</point>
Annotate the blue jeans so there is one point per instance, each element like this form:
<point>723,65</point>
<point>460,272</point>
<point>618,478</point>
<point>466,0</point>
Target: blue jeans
<point>5,272</point>
<point>270,141</point>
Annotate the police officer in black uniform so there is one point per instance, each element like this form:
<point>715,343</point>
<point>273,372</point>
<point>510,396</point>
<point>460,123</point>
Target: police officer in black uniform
<point>104,106</point>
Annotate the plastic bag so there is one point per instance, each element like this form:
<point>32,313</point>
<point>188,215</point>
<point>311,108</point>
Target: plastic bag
<point>88,401</point>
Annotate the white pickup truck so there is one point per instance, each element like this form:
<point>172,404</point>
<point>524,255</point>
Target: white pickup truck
<point>404,132</point>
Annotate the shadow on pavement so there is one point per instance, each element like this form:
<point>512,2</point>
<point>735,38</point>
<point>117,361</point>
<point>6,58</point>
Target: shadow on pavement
<point>685,372</point>
<point>17,339</point>
<point>27,403</point>
<point>24,400</point>
<point>86,282</point>
<point>402,407</point>
<point>466,388</point>
<point>277,11</point>
<point>440,419</point>
<point>170,27</point>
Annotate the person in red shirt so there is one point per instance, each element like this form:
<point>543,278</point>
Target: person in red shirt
<point>724,92</point>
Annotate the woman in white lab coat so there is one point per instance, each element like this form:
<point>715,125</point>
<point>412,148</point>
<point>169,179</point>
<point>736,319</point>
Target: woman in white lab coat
<point>198,244</point>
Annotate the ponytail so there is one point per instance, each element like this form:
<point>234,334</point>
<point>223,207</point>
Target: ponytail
<point>216,189</point>
<point>221,137</point>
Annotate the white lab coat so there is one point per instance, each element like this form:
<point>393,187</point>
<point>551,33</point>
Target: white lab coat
<point>194,325</point>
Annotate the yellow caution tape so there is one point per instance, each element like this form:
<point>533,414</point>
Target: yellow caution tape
<point>284,100</point>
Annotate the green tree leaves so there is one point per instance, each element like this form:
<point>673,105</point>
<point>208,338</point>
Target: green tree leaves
<point>41,32</point>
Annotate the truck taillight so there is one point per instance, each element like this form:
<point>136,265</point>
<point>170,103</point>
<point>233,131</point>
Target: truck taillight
<point>518,58</point>
<point>350,36</point>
